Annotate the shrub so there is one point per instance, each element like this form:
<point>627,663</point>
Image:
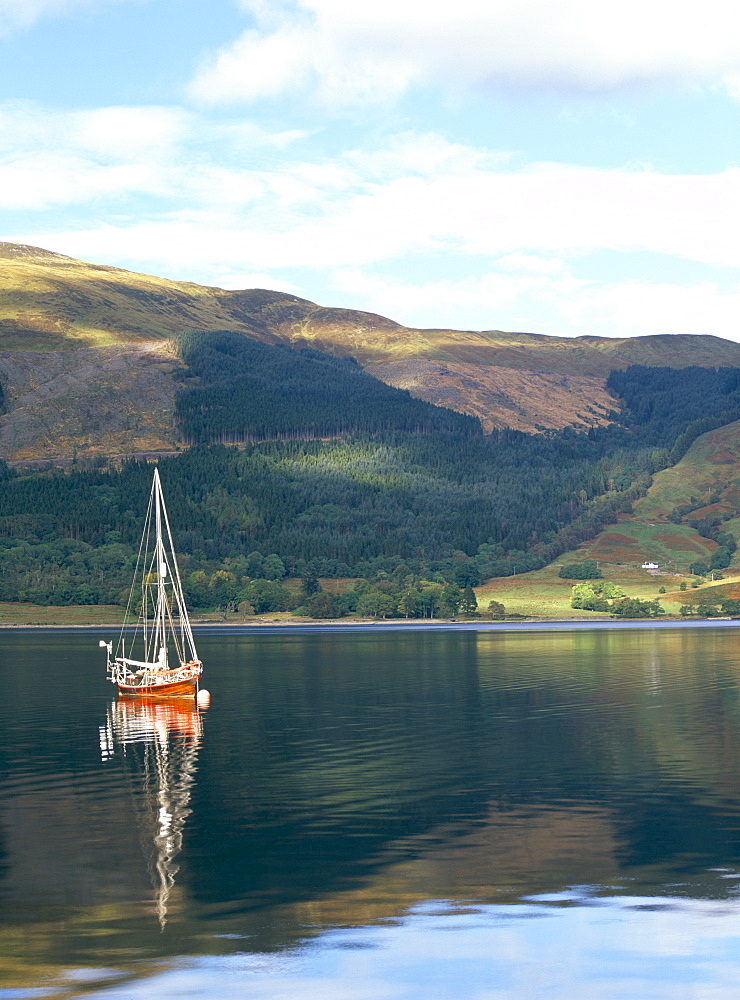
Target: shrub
<point>323,605</point>
<point>587,597</point>
<point>633,607</point>
<point>587,570</point>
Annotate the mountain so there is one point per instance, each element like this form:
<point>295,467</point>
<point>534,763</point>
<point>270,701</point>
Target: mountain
<point>87,363</point>
<point>341,473</point>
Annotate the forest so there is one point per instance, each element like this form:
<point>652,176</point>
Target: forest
<point>400,496</point>
<point>239,390</point>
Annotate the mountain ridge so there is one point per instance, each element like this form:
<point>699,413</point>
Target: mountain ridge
<point>55,305</point>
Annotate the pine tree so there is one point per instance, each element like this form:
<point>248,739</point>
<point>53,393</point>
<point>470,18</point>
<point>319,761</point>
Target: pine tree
<point>310,582</point>
<point>469,602</point>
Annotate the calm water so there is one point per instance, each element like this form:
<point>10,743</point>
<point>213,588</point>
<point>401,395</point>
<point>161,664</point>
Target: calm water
<point>376,814</point>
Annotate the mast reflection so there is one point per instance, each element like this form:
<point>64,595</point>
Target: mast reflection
<point>159,742</point>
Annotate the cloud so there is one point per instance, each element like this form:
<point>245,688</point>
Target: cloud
<point>76,158</point>
<point>63,158</point>
<point>425,230</point>
<point>555,302</point>
<point>128,132</point>
<point>347,54</point>
<point>412,195</point>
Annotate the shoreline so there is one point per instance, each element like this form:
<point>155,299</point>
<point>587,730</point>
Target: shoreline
<point>437,625</point>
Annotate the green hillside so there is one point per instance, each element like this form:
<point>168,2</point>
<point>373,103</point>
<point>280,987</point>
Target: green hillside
<point>703,486</point>
<point>440,503</point>
<point>686,503</point>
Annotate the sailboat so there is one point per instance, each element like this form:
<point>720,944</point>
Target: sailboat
<point>167,665</point>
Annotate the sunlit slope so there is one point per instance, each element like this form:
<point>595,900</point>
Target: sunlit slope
<point>47,299</point>
<point>115,400</point>
<point>51,303</point>
<point>706,480</point>
<point>375,340</point>
<point>503,397</point>
<point>633,541</point>
<point>710,470</point>
<point>543,593</point>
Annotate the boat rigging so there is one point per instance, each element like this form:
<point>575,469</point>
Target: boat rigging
<point>166,663</point>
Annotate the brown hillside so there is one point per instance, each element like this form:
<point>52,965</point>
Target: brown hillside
<point>51,304</point>
<point>101,401</point>
<point>501,396</point>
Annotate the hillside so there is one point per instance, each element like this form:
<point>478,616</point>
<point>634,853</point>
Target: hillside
<point>707,482</point>
<point>111,380</point>
<point>340,475</point>
<point>704,484</point>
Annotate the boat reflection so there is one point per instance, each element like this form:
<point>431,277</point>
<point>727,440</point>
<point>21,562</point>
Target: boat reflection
<point>158,741</point>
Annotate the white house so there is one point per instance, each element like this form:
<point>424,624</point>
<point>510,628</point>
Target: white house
<point>649,565</point>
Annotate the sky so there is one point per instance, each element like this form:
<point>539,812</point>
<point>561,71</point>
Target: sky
<point>563,167</point>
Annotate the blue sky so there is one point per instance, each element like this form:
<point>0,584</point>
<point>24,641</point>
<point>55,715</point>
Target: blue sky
<point>556,166</point>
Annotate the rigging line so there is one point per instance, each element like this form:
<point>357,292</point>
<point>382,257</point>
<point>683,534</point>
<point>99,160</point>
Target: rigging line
<point>147,592</point>
<point>121,639</point>
<point>179,647</point>
<point>177,583</point>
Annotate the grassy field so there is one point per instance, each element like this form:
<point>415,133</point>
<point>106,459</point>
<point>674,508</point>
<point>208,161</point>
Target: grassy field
<point>541,594</point>
<point>544,594</point>
<point>34,614</point>
<point>634,541</point>
<point>711,464</point>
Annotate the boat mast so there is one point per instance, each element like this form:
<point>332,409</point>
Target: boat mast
<point>160,634</point>
<point>187,640</point>
<point>163,616</point>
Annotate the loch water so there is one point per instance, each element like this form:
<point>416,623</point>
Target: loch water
<point>362,814</point>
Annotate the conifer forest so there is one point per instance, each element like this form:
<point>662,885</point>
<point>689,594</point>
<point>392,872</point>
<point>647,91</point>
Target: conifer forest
<point>301,464</point>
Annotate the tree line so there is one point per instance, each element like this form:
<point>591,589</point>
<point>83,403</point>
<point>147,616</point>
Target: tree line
<point>448,506</point>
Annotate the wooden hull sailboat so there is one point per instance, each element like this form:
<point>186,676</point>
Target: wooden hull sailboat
<point>163,688</point>
<point>167,665</point>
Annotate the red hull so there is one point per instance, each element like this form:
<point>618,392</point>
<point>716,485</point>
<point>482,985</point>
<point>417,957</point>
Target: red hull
<point>179,689</point>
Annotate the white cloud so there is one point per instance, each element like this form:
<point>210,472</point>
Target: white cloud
<point>413,195</point>
<point>106,133</point>
<point>128,132</point>
<point>51,180</point>
<point>521,233</point>
<point>529,263</point>
<point>349,53</point>
<point>560,304</point>
<point>56,159</point>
